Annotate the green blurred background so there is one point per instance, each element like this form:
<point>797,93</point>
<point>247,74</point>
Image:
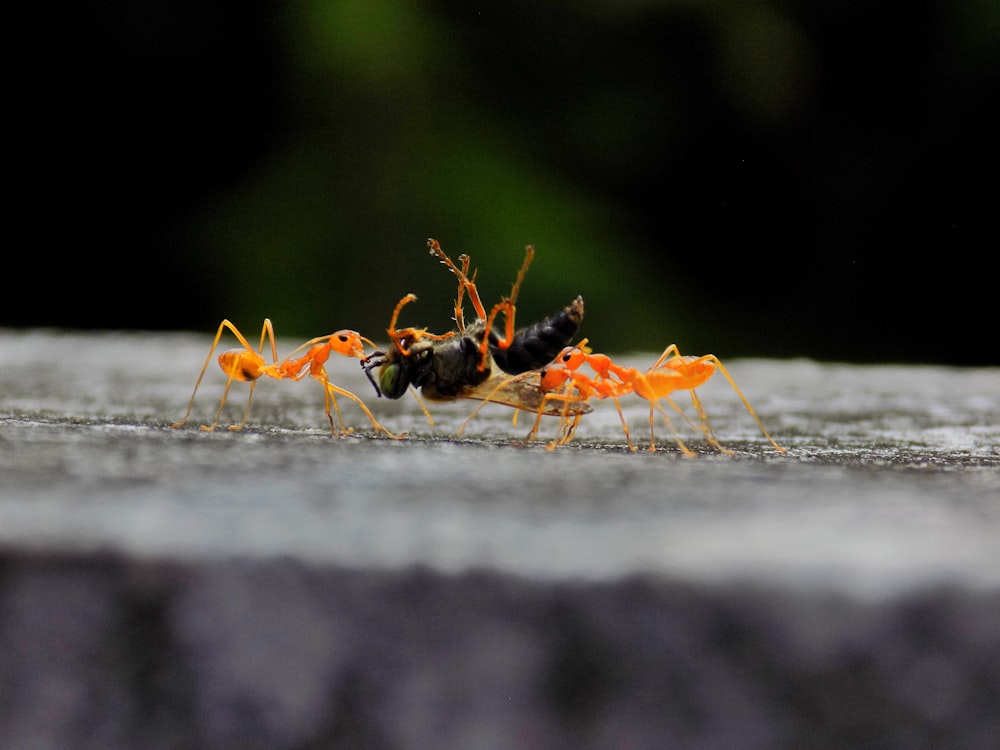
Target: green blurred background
<point>768,178</point>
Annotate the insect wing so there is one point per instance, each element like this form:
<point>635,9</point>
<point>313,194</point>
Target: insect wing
<point>523,393</point>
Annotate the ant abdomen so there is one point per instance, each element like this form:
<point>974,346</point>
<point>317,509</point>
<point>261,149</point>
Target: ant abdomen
<point>241,364</point>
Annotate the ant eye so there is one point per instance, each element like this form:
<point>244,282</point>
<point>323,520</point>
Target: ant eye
<point>344,337</point>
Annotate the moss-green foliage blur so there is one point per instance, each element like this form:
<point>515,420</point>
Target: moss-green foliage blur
<point>738,178</point>
<point>386,146</point>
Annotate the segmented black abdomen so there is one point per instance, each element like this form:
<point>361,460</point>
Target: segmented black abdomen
<point>537,345</point>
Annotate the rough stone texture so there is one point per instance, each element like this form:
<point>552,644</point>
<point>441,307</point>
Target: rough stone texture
<point>105,652</point>
<point>281,588</point>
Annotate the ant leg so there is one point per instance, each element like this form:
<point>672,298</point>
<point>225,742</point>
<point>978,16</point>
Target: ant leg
<point>567,426</point>
<point>570,433</point>
<point>567,398</point>
<point>393,333</point>
<point>621,416</point>
<point>329,394</point>
<point>204,368</point>
<point>399,336</point>
<point>332,389</point>
<point>267,331</point>
<point>677,438</point>
<point>546,397</point>
<point>706,426</point>
<point>484,346</point>
<point>533,432</point>
<point>222,402</point>
<point>669,352</point>
<point>715,360</point>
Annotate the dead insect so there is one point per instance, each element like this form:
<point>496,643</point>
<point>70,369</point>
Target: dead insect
<point>460,363</point>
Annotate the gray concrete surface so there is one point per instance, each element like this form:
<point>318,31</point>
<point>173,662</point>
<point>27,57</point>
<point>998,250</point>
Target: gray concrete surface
<point>279,587</point>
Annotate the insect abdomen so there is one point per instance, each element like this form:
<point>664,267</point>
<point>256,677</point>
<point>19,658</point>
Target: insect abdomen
<point>535,346</point>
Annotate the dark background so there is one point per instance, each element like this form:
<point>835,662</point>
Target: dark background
<point>769,178</point>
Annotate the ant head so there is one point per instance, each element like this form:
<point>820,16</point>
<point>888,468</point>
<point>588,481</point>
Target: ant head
<point>572,356</point>
<point>349,343</point>
<point>553,376</point>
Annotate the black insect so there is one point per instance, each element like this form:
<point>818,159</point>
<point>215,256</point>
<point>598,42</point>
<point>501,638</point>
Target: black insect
<point>463,363</point>
<point>454,366</point>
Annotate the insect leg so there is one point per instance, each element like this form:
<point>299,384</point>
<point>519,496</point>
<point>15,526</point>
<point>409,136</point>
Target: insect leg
<point>423,407</point>
<point>507,307</point>
<point>465,260</point>
<point>465,284</point>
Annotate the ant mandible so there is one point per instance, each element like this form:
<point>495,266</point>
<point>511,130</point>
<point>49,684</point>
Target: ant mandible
<point>248,365</point>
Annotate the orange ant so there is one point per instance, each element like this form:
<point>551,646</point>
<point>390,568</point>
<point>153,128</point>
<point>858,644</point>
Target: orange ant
<point>671,372</point>
<point>562,381</point>
<point>248,365</point>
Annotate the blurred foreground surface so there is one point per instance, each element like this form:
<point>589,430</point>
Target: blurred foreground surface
<point>282,588</point>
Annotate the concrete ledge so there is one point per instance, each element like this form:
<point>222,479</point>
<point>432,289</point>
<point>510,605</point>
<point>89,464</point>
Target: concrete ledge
<point>282,588</point>
<point>101,651</point>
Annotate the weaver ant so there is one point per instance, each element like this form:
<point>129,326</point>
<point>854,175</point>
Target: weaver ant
<point>459,364</point>
<point>247,365</point>
<point>562,382</point>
